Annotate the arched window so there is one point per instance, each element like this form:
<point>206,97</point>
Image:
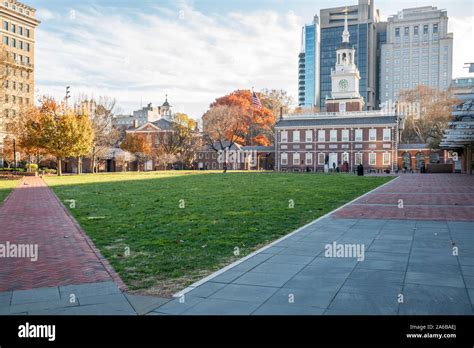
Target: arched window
<point>350,58</point>
<point>343,58</point>
<point>419,160</point>
<point>406,161</point>
<point>434,157</point>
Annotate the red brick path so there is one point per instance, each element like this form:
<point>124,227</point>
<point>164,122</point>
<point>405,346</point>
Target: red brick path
<point>425,197</point>
<point>33,214</point>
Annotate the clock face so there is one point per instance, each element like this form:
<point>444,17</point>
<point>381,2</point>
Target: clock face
<point>343,84</point>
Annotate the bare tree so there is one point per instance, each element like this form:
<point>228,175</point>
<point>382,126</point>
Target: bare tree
<point>427,112</point>
<point>101,112</point>
<point>222,127</point>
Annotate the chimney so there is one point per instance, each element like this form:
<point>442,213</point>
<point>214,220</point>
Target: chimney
<point>135,123</point>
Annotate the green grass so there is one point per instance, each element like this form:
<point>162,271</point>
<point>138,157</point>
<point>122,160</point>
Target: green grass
<point>6,186</point>
<point>170,247</point>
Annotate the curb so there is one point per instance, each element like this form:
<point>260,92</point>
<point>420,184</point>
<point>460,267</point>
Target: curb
<point>226,268</point>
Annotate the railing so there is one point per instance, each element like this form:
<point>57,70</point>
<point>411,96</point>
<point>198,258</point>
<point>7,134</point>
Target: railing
<point>311,114</point>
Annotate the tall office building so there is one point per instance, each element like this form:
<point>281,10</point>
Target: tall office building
<point>17,33</point>
<point>308,66</point>
<point>363,19</point>
<point>418,51</point>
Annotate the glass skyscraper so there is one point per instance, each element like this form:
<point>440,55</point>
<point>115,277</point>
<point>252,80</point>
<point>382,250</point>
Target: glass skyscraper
<point>308,67</point>
<point>363,19</point>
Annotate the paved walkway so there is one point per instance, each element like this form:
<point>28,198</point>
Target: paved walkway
<point>69,276</point>
<point>408,266</point>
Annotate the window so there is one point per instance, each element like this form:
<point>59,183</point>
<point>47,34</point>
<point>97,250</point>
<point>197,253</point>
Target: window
<point>309,158</point>
<point>201,155</point>
<point>386,158</point>
<point>397,32</point>
<point>309,136</point>
<point>27,47</point>
<point>20,30</point>
<point>333,135</point>
<point>345,135</point>
<point>5,25</point>
<point>435,28</point>
<point>345,157</point>
<point>284,159</point>
<point>13,42</point>
<point>284,136</point>
<point>387,134</point>
<point>321,135</point>
<point>415,30</point>
<point>5,40</point>
<point>358,135</point>
<point>358,159</point>
<point>27,60</point>
<point>406,31</point>
<point>13,28</point>
<point>372,159</point>
<point>372,134</point>
<point>342,107</point>
<point>27,32</point>
<point>425,29</point>
<point>296,136</point>
<point>206,155</point>
<point>296,158</point>
<point>321,158</point>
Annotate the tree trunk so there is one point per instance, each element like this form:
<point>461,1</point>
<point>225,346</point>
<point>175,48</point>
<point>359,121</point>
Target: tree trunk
<point>93,161</point>
<point>59,169</point>
<point>79,165</point>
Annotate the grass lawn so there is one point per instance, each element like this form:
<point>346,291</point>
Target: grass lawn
<point>172,246</point>
<point>6,186</point>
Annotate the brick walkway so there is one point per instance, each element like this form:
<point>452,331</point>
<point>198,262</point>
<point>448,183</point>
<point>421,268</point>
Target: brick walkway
<point>33,215</point>
<point>441,197</point>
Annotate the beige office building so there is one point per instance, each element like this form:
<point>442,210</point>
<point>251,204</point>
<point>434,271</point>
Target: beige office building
<point>17,34</point>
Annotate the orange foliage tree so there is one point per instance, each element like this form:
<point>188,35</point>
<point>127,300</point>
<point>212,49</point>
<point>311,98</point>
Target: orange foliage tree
<point>254,124</point>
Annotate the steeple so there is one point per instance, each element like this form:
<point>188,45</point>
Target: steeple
<point>345,34</point>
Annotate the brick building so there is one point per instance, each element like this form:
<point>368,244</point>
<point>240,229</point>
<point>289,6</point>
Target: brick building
<point>343,137</point>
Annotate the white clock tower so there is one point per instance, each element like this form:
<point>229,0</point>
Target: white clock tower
<point>345,78</point>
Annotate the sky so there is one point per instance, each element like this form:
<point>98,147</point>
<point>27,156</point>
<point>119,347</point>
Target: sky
<point>139,51</point>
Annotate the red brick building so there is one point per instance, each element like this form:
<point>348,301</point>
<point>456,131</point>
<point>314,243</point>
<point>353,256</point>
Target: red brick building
<point>343,137</point>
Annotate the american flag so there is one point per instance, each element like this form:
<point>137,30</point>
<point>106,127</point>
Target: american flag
<point>256,101</point>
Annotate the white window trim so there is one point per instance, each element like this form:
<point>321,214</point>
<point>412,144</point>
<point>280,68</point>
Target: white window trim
<point>296,155</point>
<point>296,139</point>
<point>309,138</point>
<point>371,132</point>
<point>284,159</point>
<point>345,135</point>
<point>323,155</point>
<point>284,136</point>
<point>331,133</point>
<point>374,156</point>
<point>385,163</point>
<point>358,155</point>
<point>387,131</point>
<point>356,137</point>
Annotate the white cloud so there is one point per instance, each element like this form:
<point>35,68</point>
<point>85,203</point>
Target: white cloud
<point>191,56</point>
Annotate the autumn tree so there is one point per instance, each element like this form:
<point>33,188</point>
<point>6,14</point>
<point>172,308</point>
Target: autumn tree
<point>427,113</point>
<point>223,126</point>
<point>179,145</point>
<point>255,126</point>
<point>138,146</point>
